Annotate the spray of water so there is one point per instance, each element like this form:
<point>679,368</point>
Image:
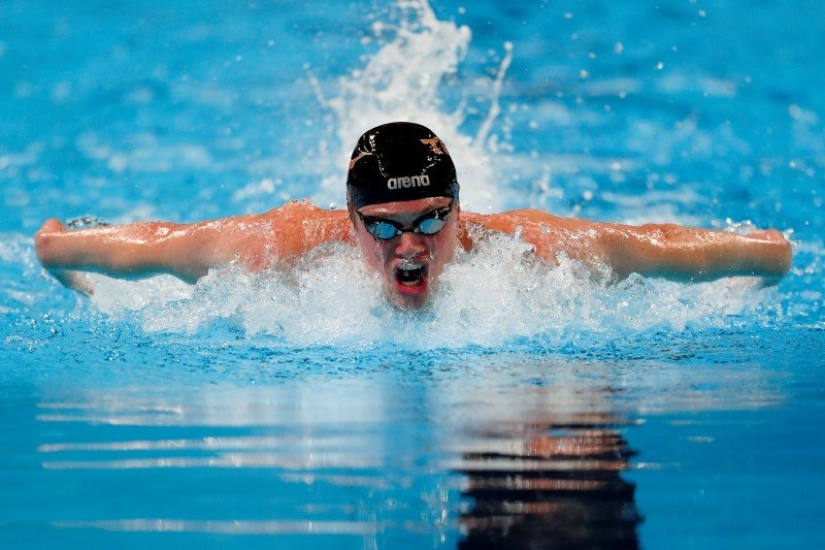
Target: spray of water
<point>405,80</point>
<point>494,296</point>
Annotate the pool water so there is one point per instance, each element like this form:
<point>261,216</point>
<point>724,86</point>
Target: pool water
<point>529,407</point>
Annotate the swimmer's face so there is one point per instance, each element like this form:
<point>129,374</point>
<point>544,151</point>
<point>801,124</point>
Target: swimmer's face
<point>411,262</point>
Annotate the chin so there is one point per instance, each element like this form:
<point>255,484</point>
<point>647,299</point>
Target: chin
<point>409,290</point>
<point>411,302</point>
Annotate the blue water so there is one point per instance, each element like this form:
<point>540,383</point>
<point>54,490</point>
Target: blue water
<point>296,410</point>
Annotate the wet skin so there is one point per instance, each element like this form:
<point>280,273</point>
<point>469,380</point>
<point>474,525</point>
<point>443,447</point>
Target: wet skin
<point>409,263</point>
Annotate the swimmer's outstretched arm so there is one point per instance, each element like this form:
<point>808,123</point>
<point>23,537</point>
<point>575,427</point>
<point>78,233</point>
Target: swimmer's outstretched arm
<point>655,250</point>
<point>187,251</point>
<point>688,254</point>
<point>134,251</point>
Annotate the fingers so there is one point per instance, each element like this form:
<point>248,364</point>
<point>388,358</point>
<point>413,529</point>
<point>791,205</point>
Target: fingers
<point>52,225</point>
<point>44,241</point>
<point>49,255</point>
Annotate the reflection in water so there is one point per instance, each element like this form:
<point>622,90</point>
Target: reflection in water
<point>490,463</point>
<point>559,488</point>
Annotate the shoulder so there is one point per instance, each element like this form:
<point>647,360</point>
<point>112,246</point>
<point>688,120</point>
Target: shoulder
<point>279,234</point>
<point>525,219</point>
<point>299,214</point>
<point>303,210</point>
<point>298,226</point>
<point>548,234</point>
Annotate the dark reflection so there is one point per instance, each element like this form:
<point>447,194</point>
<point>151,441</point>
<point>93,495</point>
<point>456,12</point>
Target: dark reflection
<point>558,486</point>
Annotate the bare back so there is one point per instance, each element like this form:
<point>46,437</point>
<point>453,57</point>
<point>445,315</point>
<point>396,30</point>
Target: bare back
<point>292,230</point>
<point>548,234</point>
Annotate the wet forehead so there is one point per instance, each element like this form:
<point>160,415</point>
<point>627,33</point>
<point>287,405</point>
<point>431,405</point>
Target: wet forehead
<point>405,209</point>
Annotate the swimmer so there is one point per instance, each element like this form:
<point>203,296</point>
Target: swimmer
<point>403,213</point>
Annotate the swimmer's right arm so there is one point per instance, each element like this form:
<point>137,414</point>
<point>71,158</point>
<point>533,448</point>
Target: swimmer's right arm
<point>186,251</point>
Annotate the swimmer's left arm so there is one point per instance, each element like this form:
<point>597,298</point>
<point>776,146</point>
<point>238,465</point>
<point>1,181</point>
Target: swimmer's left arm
<point>688,254</point>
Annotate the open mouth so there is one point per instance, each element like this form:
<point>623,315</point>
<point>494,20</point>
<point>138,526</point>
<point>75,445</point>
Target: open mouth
<point>410,274</point>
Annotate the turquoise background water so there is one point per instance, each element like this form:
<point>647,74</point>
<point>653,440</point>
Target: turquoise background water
<point>246,412</point>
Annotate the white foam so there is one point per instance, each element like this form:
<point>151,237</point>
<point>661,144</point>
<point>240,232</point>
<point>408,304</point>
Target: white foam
<point>495,296</point>
<point>404,80</point>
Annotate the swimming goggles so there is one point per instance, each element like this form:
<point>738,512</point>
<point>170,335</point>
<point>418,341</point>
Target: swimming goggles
<point>428,224</point>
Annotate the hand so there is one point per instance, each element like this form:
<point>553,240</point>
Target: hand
<point>44,240</point>
<point>783,255</point>
<point>52,225</point>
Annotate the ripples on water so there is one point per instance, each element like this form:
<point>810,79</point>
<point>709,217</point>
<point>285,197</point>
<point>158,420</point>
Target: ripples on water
<point>327,453</point>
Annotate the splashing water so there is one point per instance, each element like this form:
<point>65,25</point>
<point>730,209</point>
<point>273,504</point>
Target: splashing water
<point>405,80</point>
<point>495,296</point>
<point>330,298</point>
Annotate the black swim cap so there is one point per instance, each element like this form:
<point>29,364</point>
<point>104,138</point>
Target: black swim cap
<point>400,161</point>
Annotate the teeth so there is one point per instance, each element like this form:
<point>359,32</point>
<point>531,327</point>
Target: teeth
<point>410,273</point>
<point>410,266</point>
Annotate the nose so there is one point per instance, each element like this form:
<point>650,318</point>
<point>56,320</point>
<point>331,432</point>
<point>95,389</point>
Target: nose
<point>410,245</point>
